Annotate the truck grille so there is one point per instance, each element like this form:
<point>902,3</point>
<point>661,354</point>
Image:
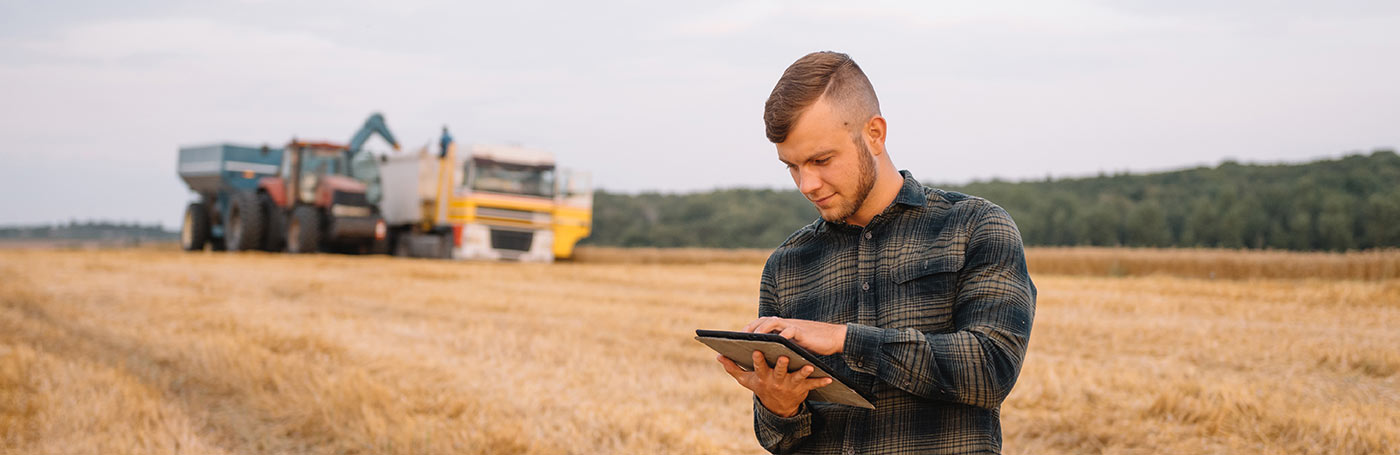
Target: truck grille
<point>517,215</point>
<point>511,240</point>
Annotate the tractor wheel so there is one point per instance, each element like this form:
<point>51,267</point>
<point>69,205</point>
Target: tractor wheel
<point>276,239</point>
<point>304,230</point>
<point>246,223</point>
<point>194,232</point>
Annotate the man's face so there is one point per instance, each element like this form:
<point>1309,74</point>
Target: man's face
<point>829,161</point>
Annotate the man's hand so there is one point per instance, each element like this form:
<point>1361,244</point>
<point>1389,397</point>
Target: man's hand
<point>780,390</point>
<point>819,337</point>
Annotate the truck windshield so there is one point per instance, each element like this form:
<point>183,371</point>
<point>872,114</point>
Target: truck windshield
<point>498,177</point>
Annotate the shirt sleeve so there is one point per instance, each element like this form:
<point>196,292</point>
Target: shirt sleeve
<point>978,363</point>
<point>775,433</point>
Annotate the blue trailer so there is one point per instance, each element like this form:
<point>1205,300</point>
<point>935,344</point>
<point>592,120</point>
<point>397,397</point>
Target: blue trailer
<point>216,173</point>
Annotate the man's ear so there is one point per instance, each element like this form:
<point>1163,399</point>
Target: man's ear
<point>875,134</point>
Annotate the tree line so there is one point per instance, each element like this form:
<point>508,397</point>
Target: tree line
<point>88,230</point>
<point>1352,202</point>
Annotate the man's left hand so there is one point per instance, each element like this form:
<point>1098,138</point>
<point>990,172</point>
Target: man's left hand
<point>819,337</point>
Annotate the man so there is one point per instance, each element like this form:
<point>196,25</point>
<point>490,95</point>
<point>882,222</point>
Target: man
<point>444,142</point>
<point>919,295</point>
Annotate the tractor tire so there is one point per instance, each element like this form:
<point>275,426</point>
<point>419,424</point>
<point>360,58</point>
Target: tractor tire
<point>194,232</point>
<point>276,239</point>
<point>304,230</point>
<point>247,223</point>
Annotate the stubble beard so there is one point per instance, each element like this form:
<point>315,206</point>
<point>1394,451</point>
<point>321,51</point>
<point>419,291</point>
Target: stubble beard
<point>864,184</point>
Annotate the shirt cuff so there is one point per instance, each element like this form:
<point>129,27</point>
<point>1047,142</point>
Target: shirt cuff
<point>797,426</point>
<point>862,348</point>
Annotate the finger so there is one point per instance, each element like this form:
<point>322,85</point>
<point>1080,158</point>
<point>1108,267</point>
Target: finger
<point>804,372</point>
<point>811,384</point>
<point>780,368</point>
<point>790,332</point>
<point>757,322</point>
<point>770,325</point>
<point>732,368</point>
<point>760,366</point>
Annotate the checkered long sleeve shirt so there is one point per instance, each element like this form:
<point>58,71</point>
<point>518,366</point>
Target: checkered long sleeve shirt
<point>938,307</point>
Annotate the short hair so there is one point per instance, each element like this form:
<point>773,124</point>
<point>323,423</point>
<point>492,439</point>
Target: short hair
<point>833,74</point>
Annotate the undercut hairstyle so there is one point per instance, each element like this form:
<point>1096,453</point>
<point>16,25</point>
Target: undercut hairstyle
<point>832,74</point>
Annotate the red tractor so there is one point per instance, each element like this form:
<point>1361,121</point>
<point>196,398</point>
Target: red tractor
<point>313,204</point>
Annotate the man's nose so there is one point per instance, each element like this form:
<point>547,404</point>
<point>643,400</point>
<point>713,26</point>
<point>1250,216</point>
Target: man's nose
<point>808,181</point>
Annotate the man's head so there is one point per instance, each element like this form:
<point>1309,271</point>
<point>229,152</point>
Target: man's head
<point>824,117</point>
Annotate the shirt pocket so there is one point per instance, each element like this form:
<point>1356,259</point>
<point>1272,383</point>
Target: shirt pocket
<point>926,287</point>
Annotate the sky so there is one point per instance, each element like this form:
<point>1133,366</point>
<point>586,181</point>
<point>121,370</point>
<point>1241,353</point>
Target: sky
<point>98,96</point>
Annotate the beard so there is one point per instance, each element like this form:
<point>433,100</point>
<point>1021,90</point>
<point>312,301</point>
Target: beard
<point>864,183</point>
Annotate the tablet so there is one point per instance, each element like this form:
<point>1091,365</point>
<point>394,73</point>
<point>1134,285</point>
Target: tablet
<point>739,347</point>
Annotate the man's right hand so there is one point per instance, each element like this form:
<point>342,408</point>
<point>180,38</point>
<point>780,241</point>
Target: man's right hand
<point>780,390</point>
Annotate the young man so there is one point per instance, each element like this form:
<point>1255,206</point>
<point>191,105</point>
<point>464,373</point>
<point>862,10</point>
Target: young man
<point>918,294</point>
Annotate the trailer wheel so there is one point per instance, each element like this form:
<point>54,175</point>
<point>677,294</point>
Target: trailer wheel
<point>276,224</point>
<point>246,223</point>
<point>304,230</point>
<point>194,232</point>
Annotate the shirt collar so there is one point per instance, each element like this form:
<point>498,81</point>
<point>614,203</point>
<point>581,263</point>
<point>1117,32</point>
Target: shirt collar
<point>912,193</point>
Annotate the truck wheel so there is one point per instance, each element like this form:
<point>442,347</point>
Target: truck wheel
<point>276,224</point>
<point>445,245</point>
<point>398,242</point>
<point>194,232</point>
<point>304,230</point>
<point>246,223</point>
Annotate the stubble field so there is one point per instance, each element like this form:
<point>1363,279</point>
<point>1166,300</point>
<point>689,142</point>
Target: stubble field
<point>1132,351</point>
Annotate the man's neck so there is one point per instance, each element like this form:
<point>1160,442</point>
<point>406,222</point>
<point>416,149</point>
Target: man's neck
<point>887,186</point>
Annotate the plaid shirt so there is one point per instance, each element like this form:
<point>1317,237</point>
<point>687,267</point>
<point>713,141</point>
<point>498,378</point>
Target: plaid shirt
<point>937,305</point>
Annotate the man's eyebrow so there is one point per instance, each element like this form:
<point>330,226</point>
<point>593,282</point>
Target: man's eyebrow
<point>811,157</point>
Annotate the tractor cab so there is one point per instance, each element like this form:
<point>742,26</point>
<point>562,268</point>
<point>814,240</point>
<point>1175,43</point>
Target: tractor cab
<point>314,172</point>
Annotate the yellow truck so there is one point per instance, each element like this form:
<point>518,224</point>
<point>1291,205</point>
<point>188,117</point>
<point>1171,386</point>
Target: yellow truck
<point>484,202</point>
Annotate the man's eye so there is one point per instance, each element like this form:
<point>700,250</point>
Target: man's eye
<point>823,160</point>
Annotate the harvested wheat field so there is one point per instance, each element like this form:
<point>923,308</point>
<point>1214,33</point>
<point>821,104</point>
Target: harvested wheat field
<point>153,351</point>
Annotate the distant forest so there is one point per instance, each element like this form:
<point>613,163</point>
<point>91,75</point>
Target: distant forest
<point>1348,203</point>
<point>87,230</point>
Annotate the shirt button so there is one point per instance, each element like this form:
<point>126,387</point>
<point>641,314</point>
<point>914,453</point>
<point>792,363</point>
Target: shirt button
<point>867,236</point>
<point>865,286</point>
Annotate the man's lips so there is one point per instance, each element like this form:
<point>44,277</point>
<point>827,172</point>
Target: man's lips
<point>823,201</point>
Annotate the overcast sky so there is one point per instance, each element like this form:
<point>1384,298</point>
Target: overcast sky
<point>97,96</point>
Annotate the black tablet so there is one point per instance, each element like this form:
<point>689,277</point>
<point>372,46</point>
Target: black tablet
<point>739,347</point>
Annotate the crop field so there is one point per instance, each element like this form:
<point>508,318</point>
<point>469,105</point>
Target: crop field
<point>151,350</point>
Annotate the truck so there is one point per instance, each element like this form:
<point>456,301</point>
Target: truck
<point>302,197</point>
<point>487,202</point>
